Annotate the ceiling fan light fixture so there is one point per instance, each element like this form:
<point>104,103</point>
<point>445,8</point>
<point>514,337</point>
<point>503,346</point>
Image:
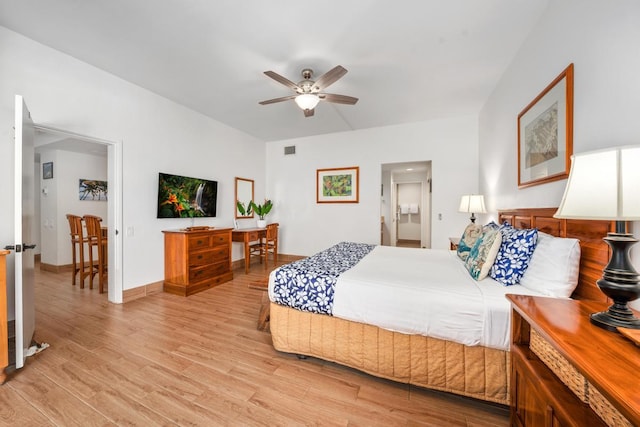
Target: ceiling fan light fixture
<point>307,101</point>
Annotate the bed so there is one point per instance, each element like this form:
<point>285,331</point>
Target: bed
<point>476,364</point>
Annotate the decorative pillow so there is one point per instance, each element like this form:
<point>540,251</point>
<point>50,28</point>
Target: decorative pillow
<point>514,255</point>
<point>468,239</point>
<point>494,226</point>
<point>483,253</point>
<point>554,266</point>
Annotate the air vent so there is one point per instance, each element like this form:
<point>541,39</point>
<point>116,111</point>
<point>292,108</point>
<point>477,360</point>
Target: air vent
<point>290,150</point>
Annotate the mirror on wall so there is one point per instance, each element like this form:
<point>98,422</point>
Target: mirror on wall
<point>244,194</point>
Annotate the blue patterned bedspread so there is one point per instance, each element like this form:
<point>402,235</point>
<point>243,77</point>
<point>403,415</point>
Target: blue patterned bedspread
<point>308,284</point>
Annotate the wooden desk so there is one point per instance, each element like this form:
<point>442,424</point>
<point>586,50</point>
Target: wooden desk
<point>586,376</point>
<point>246,236</point>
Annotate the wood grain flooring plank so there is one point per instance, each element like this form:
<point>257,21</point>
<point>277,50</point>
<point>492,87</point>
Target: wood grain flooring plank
<point>198,361</point>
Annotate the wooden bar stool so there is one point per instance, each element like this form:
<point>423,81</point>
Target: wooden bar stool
<point>78,241</point>
<point>97,243</point>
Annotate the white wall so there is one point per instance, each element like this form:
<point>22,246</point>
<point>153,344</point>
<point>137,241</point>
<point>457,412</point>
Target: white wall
<point>156,134</point>
<point>307,227</point>
<point>62,198</point>
<point>602,39</point>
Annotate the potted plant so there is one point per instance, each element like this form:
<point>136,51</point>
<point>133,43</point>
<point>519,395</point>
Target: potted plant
<point>261,210</point>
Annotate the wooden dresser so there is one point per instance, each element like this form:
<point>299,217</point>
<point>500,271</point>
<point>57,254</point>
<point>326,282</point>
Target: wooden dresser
<point>566,371</point>
<point>195,260</point>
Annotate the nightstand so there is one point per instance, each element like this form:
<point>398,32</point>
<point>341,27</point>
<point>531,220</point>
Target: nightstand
<point>453,243</point>
<point>566,371</point>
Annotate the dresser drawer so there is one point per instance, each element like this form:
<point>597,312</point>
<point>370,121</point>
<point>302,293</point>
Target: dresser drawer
<point>219,239</point>
<point>199,242</point>
<point>253,236</point>
<point>201,258</point>
<point>217,254</point>
<point>208,271</point>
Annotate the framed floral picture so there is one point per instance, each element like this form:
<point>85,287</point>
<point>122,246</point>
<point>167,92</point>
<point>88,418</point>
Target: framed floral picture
<point>545,133</point>
<point>338,185</point>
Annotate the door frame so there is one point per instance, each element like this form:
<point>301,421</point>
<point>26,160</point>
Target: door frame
<point>114,205</point>
<point>395,173</point>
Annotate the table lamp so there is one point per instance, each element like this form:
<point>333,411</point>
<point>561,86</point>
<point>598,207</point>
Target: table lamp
<point>472,203</point>
<point>604,185</point>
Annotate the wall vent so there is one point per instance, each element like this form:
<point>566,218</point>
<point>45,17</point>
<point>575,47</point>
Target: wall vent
<point>290,150</point>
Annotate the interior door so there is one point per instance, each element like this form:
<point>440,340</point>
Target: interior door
<point>24,188</point>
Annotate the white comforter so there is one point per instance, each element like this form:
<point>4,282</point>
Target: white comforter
<point>426,292</point>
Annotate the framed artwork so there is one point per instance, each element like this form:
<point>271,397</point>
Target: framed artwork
<point>545,133</point>
<point>47,170</point>
<point>338,185</point>
<point>92,189</point>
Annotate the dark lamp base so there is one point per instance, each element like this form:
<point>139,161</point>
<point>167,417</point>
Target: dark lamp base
<point>621,283</point>
<point>611,323</point>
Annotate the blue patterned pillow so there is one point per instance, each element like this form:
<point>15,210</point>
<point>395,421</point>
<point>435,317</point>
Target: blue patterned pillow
<point>468,239</point>
<point>483,253</point>
<point>493,225</point>
<point>514,255</point>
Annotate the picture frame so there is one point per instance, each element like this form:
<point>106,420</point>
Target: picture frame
<point>338,185</point>
<point>47,170</point>
<point>92,190</point>
<point>545,133</point>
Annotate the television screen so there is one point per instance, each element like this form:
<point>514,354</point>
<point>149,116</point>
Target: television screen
<point>184,197</point>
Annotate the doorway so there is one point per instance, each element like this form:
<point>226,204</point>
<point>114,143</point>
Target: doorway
<point>408,214</point>
<point>405,207</point>
<point>59,148</point>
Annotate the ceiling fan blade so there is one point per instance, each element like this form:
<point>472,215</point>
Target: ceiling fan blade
<point>309,113</point>
<point>338,99</point>
<point>330,77</point>
<point>285,81</point>
<point>274,100</point>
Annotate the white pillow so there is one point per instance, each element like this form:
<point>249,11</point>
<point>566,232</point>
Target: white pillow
<point>554,266</point>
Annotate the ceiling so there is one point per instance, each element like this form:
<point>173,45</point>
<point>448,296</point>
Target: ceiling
<point>408,61</point>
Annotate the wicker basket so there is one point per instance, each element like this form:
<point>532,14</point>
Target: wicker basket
<point>559,365</point>
<point>605,410</point>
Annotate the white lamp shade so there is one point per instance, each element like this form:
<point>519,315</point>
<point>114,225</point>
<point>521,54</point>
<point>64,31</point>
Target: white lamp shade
<point>307,101</point>
<point>473,203</point>
<point>603,184</point>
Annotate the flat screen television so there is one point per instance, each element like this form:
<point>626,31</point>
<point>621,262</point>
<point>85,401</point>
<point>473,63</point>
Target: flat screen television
<point>184,197</point>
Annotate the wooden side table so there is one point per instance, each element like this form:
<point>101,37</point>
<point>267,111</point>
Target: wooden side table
<point>568,372</point>
<point>453,243</point>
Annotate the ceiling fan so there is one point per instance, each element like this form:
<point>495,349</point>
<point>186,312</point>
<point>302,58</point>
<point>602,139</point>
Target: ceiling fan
<point>309,92</point>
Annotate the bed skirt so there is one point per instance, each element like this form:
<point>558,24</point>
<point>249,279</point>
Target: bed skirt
<point>478,372</point>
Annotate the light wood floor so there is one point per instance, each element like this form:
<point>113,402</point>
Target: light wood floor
<point>168,360</point>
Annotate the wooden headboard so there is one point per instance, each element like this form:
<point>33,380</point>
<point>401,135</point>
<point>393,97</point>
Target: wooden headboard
<point>594,251</point>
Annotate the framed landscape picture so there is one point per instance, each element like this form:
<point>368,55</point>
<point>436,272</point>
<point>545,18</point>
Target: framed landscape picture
<point>338,185</point>
<point>545,133</point>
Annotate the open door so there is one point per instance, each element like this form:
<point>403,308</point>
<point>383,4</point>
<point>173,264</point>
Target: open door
<point>24,188</point>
